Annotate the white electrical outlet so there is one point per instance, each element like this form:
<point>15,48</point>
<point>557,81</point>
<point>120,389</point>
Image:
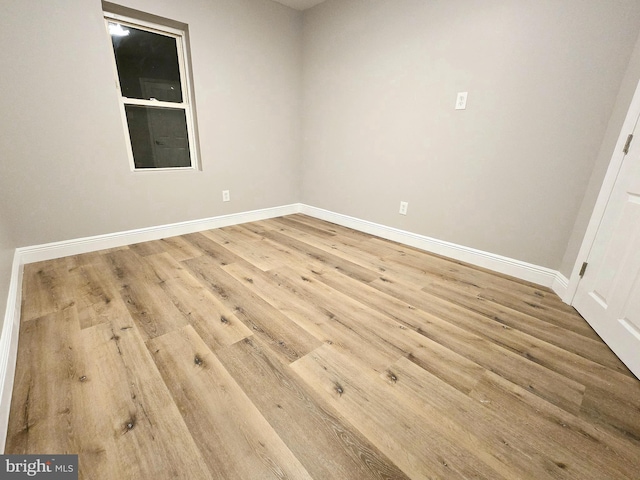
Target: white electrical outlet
<point>225,196</point>
<point>404,206</point>
<point>461,101</point>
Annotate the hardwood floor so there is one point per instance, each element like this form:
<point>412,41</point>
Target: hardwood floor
<point>295,348</point>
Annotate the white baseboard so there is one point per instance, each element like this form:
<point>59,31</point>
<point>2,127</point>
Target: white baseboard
<point>559,286</point>
<point>49,251</point>
<point>509,266</point>
<point>9,346</point>
<point>10,330</point>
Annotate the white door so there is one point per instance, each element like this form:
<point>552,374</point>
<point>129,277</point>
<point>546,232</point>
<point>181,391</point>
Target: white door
<point>608,296</point>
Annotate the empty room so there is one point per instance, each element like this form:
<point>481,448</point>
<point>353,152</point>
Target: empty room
<point>306,239</point>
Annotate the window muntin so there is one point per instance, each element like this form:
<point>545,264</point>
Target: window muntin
<point>151,76</point>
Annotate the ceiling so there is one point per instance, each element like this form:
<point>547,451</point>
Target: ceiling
<point>300,4</point>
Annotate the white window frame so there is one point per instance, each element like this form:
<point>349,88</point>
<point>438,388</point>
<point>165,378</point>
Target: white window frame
<point>185,84</point>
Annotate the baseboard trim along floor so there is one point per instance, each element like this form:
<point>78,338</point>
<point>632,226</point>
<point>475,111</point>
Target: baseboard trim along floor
<point>498,263</point>
<point>9,346</point>
<point>31,254</point>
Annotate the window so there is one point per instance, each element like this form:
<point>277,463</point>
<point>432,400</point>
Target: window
<point>155,94</point>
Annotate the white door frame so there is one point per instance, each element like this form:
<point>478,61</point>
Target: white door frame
<point>605,192</point>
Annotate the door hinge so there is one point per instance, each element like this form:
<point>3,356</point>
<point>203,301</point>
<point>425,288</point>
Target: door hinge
<point>627,145</point>
<point>583,269</point>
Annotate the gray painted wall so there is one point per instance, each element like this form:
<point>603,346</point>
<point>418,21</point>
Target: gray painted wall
<point>64,171</point>
<point>627,89</point>
<point>349,107</point>
<point>7,249</point>
<point>508,174</point>
<point>65,168</point>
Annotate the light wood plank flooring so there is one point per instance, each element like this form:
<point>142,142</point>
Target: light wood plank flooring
<point>295,348</point>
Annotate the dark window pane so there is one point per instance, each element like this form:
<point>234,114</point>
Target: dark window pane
<point>147,64</point>
<point>159,137</point>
